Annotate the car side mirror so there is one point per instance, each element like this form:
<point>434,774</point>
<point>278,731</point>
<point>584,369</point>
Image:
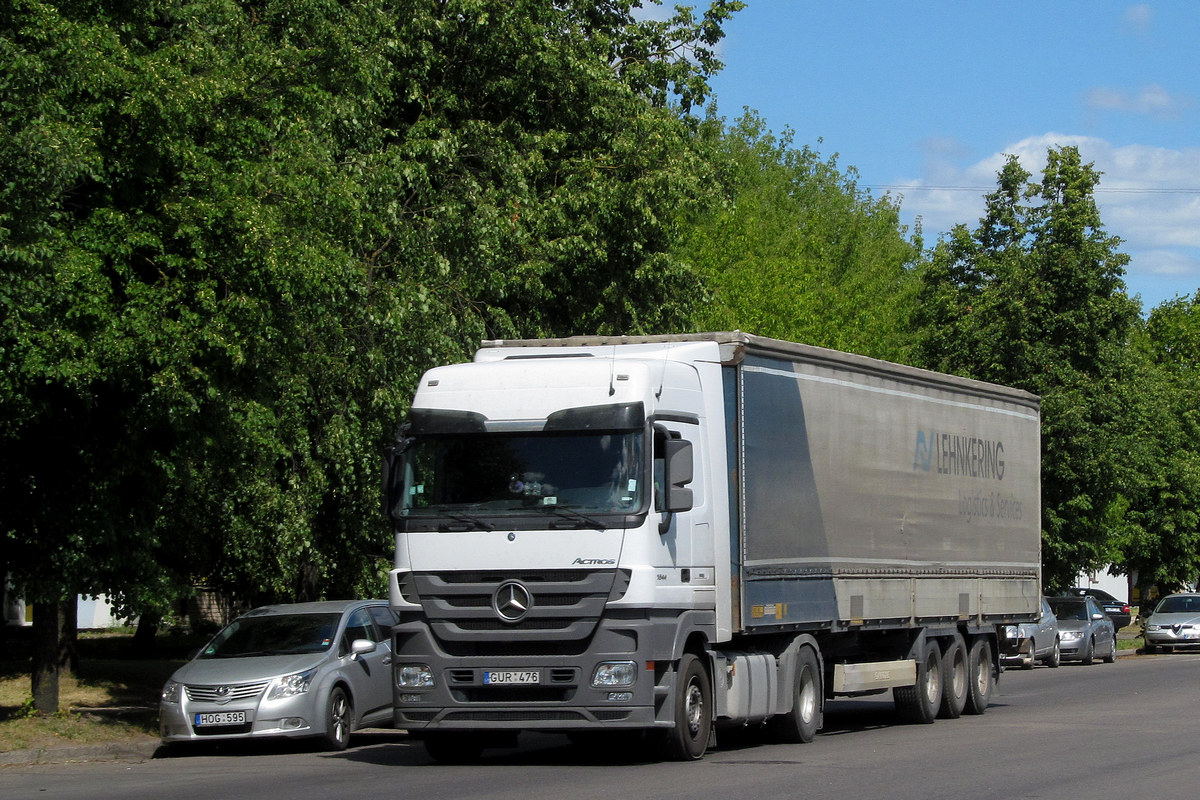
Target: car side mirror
<point>360,647</point>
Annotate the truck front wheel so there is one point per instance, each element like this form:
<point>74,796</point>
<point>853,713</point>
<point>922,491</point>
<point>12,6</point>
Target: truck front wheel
<point>800,723</point>
<point>688,740</point>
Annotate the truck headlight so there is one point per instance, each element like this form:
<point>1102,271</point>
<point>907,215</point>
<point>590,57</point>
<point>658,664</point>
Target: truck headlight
<point>414,676</point>
<point>292,685</point>
<point>614,673</point>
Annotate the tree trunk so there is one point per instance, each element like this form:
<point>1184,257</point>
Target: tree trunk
<point>46,626</point>
<point>143,637</point>
<point>68,638</point>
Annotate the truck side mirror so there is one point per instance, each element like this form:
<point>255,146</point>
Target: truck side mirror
<point>678,472</point>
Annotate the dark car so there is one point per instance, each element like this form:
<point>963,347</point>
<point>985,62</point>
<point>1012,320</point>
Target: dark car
<point>1117,610</point>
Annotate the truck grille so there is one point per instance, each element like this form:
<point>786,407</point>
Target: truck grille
<point>565,605</point>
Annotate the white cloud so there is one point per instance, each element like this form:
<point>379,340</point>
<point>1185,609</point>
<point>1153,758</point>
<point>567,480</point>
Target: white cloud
<point>1151,100</point>
<point>1148,196</point>
<point>1138,18</point>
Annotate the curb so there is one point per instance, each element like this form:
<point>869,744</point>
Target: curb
<point>110,751</point>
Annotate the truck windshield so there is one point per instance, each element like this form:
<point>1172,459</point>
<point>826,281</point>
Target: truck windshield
<point>508,473</point>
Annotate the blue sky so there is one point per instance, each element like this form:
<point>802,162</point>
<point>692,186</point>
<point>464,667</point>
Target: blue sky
<point>925,99</point>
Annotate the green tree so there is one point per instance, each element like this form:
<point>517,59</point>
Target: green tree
<point>234,233</point>
<point>791,247</point>
<point>1034,298</point>
<point>1162,542</point>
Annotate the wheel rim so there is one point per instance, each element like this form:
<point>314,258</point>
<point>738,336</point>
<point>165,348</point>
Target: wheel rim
<point>983,677</point>
<point>958,675</point>
<point>337,717</point>
<point>933,680</point>
<point>807,702</point>
<point>693,707</point>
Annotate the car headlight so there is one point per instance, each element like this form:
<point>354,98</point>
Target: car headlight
<point>171,692</point>
<point>414,676</point>
<point>614,673</point>
<point>292,685</point>
<point>1071,636</point>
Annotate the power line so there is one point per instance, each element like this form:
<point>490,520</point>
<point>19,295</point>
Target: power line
<point>989,189</point>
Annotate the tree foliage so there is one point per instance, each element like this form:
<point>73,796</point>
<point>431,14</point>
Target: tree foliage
<point>234,232</point>
<point>1034,298</point>
<point>794,249</point>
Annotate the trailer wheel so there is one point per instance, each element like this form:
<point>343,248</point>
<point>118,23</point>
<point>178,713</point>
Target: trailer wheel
<point>688,739</point>
<point>921,702</point>
<point>979,664</point>
<point>800,723</point>
<point>955,678</point>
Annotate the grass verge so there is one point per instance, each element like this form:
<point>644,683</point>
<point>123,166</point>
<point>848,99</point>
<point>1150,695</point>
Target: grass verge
<point>112,698</point>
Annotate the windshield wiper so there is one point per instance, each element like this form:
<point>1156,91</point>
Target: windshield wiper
<point>577,519</point>
<point>470,519</point>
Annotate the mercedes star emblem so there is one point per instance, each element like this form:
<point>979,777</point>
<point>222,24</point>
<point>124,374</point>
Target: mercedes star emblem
<point>512,601</point>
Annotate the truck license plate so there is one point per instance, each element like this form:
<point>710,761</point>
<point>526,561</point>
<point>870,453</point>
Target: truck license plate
<point>497,677</point>
<point>220,718</point>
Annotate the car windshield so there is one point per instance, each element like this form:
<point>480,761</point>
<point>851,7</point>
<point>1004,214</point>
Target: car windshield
<point>502,473</point>
<point>1178,605</point>
<point>274,634</point>
<point>1069,608</point>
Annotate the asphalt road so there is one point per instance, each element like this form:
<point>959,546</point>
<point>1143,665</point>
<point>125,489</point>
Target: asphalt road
<point>1098,731</point>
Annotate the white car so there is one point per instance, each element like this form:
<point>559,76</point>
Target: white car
<point>306,669</point>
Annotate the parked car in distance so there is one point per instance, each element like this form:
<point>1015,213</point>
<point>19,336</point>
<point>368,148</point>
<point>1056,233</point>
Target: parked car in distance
<point>1036,641</point>
<point>305,669</point>
<point>1174,622</point>
<point>1084,630</point>
<point>1118,610</point>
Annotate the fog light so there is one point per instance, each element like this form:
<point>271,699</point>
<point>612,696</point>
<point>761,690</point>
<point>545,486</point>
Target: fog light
<point>620,697</point>
<point>292,723</point>
<point>411,698</point>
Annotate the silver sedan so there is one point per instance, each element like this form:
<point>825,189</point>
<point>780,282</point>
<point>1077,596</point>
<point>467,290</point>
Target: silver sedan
<point>1175,622</point>
<point>307,669</point>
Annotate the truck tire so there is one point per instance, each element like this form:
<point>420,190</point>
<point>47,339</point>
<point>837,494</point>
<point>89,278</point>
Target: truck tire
<point>979,688</point>
<point>955,678</point>
<point>799,724</point>
<point>921,702</point>
<point>688,739</point>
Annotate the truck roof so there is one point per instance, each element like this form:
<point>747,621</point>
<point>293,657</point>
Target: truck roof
<point>736,345</point>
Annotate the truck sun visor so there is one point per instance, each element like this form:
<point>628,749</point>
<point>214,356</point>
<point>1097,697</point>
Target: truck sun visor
<point>426,421</point>
<point>618,417</point>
